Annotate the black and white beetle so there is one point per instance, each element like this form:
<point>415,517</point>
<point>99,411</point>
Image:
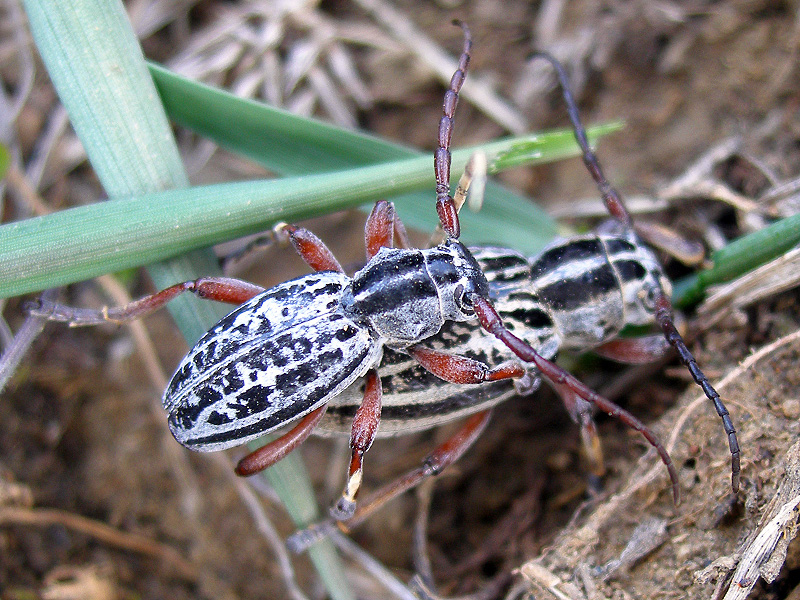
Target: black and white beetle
<point>288,352</point>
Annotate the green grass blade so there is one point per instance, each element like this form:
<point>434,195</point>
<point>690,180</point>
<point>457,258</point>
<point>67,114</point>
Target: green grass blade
<point>288,144</point>
<point>740,257</point>
<point>98,69</point>
<point>5,160</point>
<point>83,242</point>
<point>285,143</point>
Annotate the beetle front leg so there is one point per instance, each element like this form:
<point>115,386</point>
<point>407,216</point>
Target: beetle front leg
<point>221,289</point>
<point>365,426</point>
<point>383,229</point>
<point>460,369</point>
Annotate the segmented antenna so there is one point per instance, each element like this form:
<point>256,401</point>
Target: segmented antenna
<point>445,207</point>
<point>663,312</point>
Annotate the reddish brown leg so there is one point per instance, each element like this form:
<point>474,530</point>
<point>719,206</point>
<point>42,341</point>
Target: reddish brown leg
<point>632,351</point>
<point>442,457</point>
<point>312,250</point>
<point>268,455</point>
<point>689,252</point>
<point>635,351</point>
<point>384,228</point>
<point>460,369</point>
<point>491,322</point>
<point>581,412</point>
<point>221,289</point>
<point>365,426</point>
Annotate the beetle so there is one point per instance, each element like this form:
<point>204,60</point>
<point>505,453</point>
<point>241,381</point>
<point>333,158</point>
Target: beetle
<point>559,297</point>
<point>286,353</point>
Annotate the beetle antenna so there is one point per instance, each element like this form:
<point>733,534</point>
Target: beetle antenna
<point>663,314</point>
<point>445,207</point>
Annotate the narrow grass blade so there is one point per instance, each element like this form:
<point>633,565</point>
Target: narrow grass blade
<point>288,144</point>
<point>97,67</point>
<point>86,241</point>
<point>739,257</point>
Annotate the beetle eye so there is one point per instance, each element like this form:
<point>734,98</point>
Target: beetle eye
<point>649,298</point>
<point>463,299</point>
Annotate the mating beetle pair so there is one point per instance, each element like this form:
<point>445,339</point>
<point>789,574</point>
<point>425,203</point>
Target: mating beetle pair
<point>288,352</point>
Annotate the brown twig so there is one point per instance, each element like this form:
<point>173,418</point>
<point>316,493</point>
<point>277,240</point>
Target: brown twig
<point>43,517</point>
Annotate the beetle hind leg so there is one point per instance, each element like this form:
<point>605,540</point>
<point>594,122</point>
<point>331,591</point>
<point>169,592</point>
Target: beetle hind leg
<point>221,289</point>
<point>268,455</point>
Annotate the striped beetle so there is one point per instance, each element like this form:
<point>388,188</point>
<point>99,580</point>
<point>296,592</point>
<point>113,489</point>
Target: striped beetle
<point>577,294</point>
<point>288,352</point>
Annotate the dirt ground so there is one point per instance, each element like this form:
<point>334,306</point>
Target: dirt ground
<point>92,504</point>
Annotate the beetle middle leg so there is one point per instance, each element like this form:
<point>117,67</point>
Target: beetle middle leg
<point>439,459</point>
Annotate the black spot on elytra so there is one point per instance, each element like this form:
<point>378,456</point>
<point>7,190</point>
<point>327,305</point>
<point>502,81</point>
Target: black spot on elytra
<point>263,326</point>
<point>300,375</point>
<point>186,415</point>
<point>217,418</point>
<point>231,382</point>
<point>251,401</point>
<point>346,333</point>
<point>180,377</point>
<point>330,289</point>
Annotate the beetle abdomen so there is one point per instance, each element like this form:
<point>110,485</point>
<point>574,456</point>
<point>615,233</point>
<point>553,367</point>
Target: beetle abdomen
<point>272,360</point>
